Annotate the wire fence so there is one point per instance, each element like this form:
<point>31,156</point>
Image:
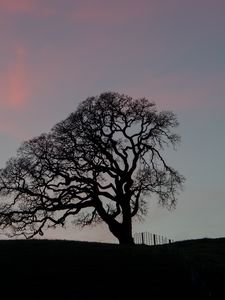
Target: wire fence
<point>151,239</point>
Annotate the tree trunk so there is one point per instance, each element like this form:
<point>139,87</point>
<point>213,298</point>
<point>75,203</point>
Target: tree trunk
<point>126,226</point>
<point>123,231</point>
<point>125,239</point>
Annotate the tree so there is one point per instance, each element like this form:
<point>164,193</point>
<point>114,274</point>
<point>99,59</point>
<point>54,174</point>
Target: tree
<point>103,163</point>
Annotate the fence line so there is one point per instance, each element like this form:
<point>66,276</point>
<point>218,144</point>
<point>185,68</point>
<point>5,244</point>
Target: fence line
<point>147,238</point>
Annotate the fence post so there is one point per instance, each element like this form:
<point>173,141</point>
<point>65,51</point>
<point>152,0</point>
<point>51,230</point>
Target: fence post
<point>142,238</point>
<point>154,239</point>
<point>147,238</point>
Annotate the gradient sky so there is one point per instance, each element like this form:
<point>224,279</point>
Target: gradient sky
<point>56,53</point>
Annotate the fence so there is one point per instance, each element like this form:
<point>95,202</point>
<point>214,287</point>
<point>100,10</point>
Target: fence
<point>150,239</point>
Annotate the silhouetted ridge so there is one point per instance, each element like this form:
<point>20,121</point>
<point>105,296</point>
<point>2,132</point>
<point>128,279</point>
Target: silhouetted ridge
<point>47,269</point>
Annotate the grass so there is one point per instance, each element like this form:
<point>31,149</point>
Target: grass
<point>44,269</point>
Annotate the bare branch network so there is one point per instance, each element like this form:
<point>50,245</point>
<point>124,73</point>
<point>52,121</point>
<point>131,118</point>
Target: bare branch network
<point>102,163</point>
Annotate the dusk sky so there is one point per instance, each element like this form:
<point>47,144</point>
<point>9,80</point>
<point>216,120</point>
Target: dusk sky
<point>56,53</point>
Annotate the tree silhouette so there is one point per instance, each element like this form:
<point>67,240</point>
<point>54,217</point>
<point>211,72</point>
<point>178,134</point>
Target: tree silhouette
<point>103,163</point>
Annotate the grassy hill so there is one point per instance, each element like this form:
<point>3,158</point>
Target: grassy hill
<point>43,269</point>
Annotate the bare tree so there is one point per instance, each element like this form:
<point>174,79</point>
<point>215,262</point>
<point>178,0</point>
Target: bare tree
<point>103,163</point>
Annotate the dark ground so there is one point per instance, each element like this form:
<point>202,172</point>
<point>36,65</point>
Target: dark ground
<point>43,269</point>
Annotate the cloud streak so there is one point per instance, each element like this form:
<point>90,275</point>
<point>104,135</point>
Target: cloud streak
<point>15,88</point>
<point>18,87</point>
<point>18,6</point>
<point>88,47</point>
<point>109,12</point>
<point>27,7</point>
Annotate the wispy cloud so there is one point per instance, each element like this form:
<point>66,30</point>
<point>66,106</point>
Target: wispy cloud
<point>181,91</point>
<point>18,5</point>
<point>108,12</point>
<point>33,7</point>
<point>142,48</point>
<point>18,88</point>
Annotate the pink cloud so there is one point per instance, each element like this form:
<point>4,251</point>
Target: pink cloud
<point>15,87</point>
<point>181,91</point>
<point>18,89</point>
<point>109,12</point>
<point>18,5</point>
<point>86,64</point>
<point>34,7</point>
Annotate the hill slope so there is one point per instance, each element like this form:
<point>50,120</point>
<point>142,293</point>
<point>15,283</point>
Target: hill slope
<point>41,269</point>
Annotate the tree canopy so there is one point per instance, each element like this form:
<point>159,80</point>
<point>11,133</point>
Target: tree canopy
<point>102,163</point>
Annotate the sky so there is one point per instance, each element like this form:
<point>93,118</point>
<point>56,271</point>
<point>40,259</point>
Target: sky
<point>56,53</point>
